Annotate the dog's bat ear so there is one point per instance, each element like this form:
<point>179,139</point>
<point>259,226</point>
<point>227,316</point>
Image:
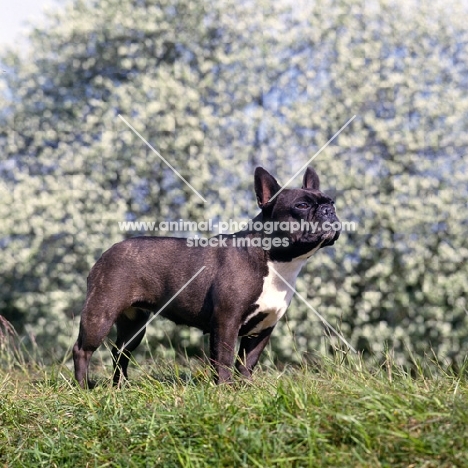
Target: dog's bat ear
<point>265,186</point>
<point>311,180</point>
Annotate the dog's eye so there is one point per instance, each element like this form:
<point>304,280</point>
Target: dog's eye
<point>302,206</point>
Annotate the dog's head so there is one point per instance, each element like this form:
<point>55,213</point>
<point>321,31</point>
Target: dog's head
<point>307,213</point>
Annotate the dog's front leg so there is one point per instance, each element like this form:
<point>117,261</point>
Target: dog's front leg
<point>250,349</point>
<point>223,339</point>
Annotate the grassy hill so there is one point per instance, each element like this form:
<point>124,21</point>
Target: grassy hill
<point>336,414</point>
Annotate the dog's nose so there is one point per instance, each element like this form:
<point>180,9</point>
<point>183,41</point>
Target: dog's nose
<point>327,210</point>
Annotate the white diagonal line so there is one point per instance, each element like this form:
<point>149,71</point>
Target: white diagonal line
<point>157,154</point>
<point>162,308</point>
<point>313,310</point>
<point>312,158</point>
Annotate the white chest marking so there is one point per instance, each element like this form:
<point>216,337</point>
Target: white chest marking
<point>276,294</point>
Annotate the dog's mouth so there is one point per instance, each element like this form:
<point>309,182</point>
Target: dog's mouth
<point>323,237</point>
<point>332,240</point>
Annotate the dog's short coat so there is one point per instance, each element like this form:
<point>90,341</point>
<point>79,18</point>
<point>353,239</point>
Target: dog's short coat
<point>238,294</point>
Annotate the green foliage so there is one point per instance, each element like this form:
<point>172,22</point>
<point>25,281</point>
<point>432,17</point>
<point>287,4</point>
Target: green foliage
<point>218,89</point>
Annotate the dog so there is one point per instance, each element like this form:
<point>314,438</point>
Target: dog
<point>240,287</point>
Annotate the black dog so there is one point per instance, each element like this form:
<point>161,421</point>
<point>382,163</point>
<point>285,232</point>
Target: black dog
<point>240,292</point>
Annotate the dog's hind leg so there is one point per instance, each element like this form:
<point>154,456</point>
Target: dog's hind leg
<point>131,328</point>
<point>92,332</point>
<point>82,352</point>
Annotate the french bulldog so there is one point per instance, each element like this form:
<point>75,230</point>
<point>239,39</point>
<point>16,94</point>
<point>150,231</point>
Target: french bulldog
<point>239,286</point>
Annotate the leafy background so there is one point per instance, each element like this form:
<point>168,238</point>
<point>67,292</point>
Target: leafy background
<point>219,88</point>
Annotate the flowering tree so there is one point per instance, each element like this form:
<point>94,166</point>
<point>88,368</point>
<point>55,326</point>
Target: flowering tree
<point>217,90</point>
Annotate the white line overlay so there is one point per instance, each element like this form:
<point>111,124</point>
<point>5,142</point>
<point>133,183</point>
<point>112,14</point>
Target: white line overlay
<point>164,160</point>
<point>314,311</point>
<point>161,309</point>
<point>312,158</point>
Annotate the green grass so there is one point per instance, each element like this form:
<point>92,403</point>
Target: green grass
<point>337,415</point>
